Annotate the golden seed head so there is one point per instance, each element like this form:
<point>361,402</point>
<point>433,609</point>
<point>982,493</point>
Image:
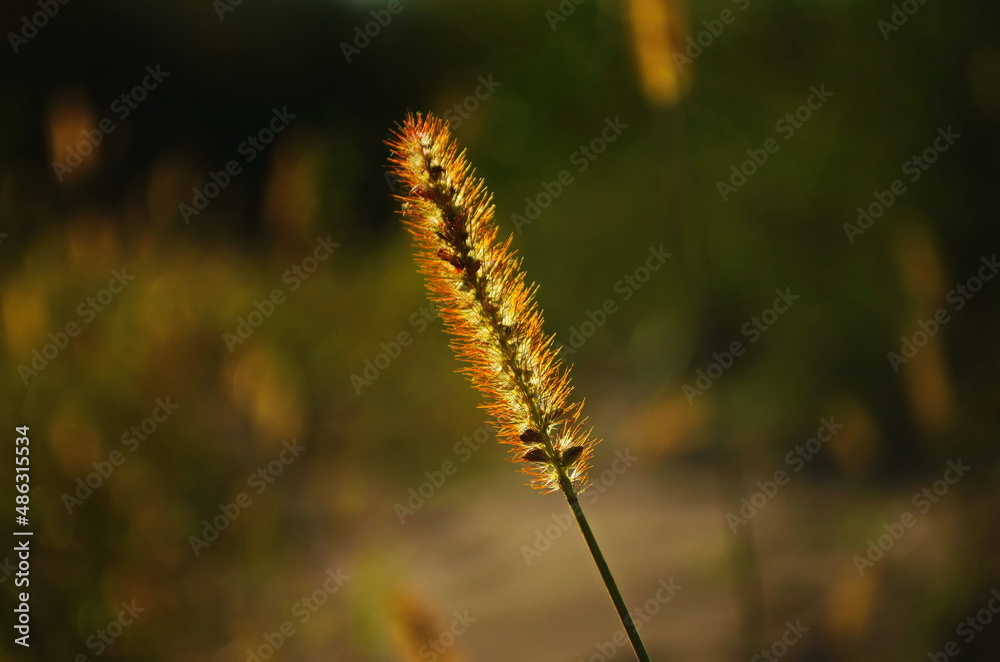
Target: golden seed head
<point>486,306</point>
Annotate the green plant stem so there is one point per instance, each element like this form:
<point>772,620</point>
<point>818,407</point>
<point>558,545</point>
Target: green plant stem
<point>602,566</point>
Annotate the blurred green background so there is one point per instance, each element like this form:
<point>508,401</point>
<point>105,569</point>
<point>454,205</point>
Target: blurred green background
<point>389,537</point>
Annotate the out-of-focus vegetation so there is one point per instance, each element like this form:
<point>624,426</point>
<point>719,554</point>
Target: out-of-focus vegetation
<point>321,361</point>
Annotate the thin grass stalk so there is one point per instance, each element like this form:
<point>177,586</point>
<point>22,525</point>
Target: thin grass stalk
<point>609,580</point>
<point>495,324</point>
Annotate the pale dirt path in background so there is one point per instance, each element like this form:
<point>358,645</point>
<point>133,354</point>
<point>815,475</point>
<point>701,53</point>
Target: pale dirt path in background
<point>463,551</point>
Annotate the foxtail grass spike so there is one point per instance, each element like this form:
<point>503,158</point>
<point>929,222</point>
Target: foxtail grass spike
<point>487,307</point>
<point>495,323</point>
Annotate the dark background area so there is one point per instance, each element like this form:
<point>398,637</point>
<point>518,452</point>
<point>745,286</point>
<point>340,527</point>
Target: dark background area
<point>306,371</point>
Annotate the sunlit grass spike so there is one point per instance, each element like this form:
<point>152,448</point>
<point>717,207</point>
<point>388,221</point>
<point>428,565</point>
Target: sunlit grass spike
<point>486,305</point>
<point>494,322</point>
